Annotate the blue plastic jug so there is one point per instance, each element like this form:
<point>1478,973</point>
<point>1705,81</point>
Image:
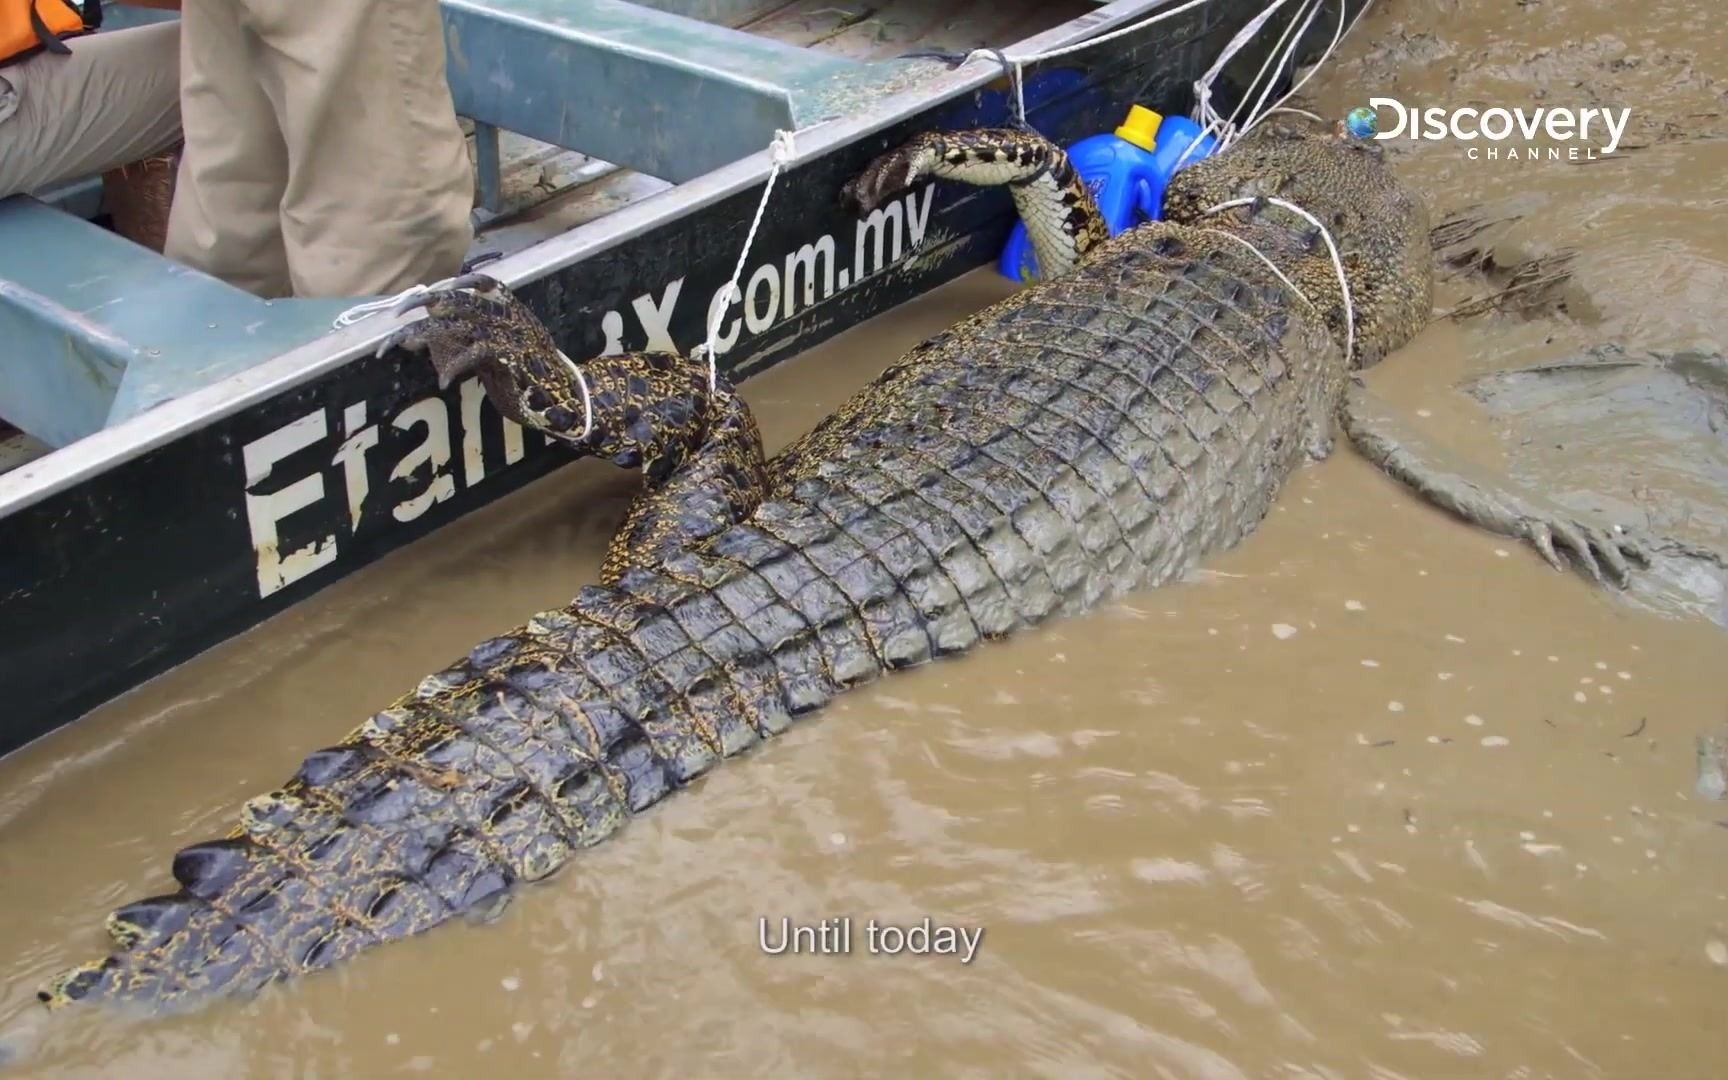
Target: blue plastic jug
<point>1127,171</point>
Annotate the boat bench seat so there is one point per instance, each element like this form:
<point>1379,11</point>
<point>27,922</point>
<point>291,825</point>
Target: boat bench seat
<point>663,94</point>
<point>95,328</point>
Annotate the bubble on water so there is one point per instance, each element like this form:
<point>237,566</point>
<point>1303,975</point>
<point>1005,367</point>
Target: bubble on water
<point>1394,706</point>
<point>521,1029</point>
<point>1495,740</point>
<point>1586,680</point>
<point>837,839</point>
<point>1600,666</point>
<point>1605,689</point>
<point>1473,720</point>
<point>392,1038</point>
<point>1553,659</point>
<point>1445,675</point>
<point>1623,674</point>
<point>1517,652</point>
<point>1579,697</point>
<point>1283,630</point>
<point>1370,663</point>
<point>1502,553</point>
<point>1434,739</point>
<point>590,1001</point>
<point>1526,835</point>
<point>510,983</point>
<point>1423,413</point>
<point>1354,605</point>
<point>1716,952</point>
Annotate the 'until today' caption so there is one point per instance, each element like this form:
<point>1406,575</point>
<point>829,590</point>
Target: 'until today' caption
<point>835,936</point>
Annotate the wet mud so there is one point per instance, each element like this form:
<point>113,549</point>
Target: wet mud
<point>1374,794</point>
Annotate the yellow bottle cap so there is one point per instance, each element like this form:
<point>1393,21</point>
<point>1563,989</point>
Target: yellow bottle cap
<point>1141,127</point>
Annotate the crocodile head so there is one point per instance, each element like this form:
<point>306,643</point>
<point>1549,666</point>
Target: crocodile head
<point>1379,226</point>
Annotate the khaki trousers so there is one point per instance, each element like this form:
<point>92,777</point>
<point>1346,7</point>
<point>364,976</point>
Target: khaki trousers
<point>114,101</point>
<point>323,156</point>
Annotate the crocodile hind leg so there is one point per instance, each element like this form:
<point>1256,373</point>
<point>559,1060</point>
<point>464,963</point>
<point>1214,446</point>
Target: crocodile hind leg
<point>1603,553</point>
<point>1061,216</point>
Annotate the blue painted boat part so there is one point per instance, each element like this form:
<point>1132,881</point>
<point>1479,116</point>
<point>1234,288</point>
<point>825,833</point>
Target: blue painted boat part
<point>97,329</point>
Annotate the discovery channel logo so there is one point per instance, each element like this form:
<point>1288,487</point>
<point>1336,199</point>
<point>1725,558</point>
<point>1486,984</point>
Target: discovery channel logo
<point>1565,132</point>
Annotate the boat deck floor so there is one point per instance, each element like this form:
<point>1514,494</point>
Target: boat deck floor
<point>557,190</point>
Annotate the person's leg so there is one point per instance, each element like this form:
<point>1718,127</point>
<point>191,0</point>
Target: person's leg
<point>380,185</point>
<point>226,218</point>
<point>114,101</point>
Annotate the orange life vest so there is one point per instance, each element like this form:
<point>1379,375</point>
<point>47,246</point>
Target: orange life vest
<point>28,27</point>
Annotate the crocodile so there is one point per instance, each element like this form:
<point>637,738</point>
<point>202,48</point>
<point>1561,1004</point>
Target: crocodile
<point>1100,431</point>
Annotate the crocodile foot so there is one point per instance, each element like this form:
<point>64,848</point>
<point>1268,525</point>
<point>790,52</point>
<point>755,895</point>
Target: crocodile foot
<point>1060,213</point>
<point>476,326</point>
<point>1566,540</point>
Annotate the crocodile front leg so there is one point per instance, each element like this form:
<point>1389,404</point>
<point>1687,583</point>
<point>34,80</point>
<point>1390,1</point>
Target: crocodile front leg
<point>1061,216</point>
<point>1604,553</point>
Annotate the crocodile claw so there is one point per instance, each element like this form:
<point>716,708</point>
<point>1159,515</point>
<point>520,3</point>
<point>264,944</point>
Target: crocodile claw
<point>470,322</point>
<point>425,298</point>
<point>1603,554</point>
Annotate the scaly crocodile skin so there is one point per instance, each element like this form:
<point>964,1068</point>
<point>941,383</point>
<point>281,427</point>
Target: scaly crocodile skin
<point>1101,431</point>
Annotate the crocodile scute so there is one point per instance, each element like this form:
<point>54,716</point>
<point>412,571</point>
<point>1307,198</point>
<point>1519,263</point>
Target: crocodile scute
<point>1099,432</point>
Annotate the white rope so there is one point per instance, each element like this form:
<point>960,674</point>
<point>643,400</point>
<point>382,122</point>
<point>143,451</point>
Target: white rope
<point>1316,117</point>
<point>1337,36</point>
<point>368,308</point>
<point>781,150</point>
<point>1270,265</point>
<point>1285,51</point>
<point>1337,264</point>
<point>1205,115</point>
<point>587,397</point>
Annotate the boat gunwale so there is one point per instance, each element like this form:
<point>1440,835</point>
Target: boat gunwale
<point>103,450</point>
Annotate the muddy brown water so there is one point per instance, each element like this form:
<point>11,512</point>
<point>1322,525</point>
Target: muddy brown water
<point>1374,795</point>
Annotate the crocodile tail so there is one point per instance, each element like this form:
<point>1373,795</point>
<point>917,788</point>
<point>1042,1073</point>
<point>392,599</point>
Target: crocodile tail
<point>492,773</point>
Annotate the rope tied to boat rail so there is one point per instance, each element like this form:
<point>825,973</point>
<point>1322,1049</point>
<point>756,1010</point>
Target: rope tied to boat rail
<point>1016,65</point>
<point>367,308</point>
<point>781,152</point>
<point>1224,129</point>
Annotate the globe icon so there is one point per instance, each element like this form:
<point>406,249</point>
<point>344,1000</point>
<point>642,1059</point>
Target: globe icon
<point>1362,122</point>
